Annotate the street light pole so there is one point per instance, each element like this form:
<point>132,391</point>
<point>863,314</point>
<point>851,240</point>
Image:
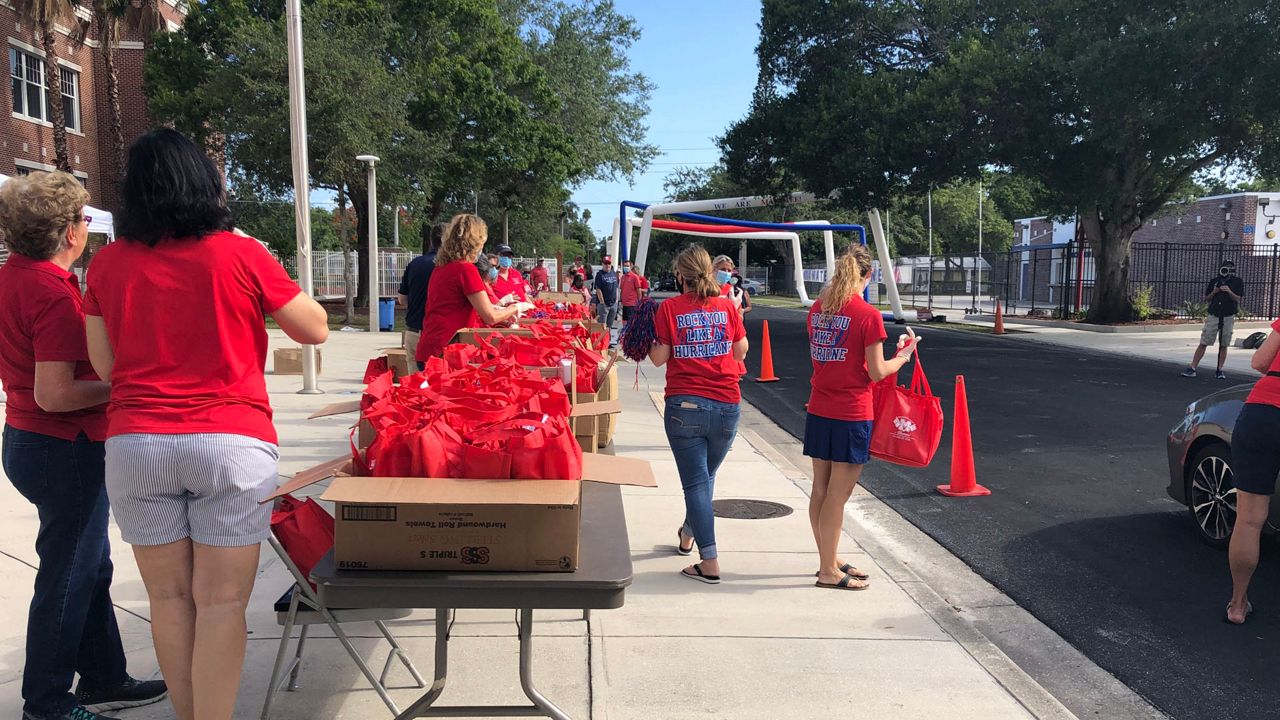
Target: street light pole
<point>372,162</point>
<point>977,265</point>
<point>301,186</point>
<point>929,281</point>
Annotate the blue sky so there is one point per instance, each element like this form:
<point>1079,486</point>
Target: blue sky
<point>700,54</point>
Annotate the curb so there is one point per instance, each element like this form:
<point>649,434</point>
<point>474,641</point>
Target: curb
<point>1091,690</point>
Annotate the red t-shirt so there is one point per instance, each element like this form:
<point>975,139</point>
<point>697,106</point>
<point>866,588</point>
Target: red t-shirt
<point>629,287</point>
<point>513,284</point>
<point>42,320</point>
<point>841,386</point>
<point>186,322</point>
<point>448,308</point>
<point>538,277</point>
<point>701,333</point>
<point>644,281</point>
<point>1267,390</point>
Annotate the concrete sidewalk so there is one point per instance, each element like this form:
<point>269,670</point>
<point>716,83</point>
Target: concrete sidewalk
<point>765,644</point>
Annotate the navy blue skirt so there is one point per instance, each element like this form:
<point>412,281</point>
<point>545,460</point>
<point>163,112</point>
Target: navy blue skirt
<point>846,441</point>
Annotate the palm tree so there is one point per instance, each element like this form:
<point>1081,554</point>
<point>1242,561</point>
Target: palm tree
<point>112,18</point>
<point>44,15</point>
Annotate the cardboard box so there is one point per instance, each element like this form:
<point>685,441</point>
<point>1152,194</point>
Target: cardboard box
<point>398,361</point>
<point>454,525</point>
<point>288,361</point>
<point>562,297</point>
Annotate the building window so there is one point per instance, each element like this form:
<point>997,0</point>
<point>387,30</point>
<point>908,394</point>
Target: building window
<point>26,76</point>
<point>21,171</point>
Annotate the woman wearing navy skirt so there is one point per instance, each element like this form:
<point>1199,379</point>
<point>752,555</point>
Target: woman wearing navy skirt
<point>846,337</point>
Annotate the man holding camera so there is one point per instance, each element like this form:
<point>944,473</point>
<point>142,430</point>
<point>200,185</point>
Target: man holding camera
<point>1223,294</point>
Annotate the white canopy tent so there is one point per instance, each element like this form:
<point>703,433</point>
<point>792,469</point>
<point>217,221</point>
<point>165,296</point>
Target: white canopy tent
<point>101,221</point>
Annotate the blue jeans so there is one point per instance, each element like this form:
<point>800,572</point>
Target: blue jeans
<point>700,432</point>
<point>71,626</point>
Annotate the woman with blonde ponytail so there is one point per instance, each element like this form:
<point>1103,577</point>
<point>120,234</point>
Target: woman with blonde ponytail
<point>701,340</point>
<point>846,337</point>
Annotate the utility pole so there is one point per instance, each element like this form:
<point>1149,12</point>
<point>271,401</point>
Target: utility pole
<point>301,175</point>
<point>372,162</point>
<point>929,281</point>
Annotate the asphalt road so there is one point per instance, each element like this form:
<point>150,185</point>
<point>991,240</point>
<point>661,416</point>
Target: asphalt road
<point>1079,529</point>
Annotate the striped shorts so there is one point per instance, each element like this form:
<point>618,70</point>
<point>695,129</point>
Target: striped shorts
<point>203,486</point>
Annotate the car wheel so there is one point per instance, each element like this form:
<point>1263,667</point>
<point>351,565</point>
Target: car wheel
<point>1211,494</point>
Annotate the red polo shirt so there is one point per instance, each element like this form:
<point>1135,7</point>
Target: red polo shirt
<point>186,321</point>
<point>42,320</point>
<point>513,284</point>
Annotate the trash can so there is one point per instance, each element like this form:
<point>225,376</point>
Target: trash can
<point>386,314</point>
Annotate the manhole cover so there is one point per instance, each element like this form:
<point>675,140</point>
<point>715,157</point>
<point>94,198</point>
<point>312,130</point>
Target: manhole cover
<point>736,509</point>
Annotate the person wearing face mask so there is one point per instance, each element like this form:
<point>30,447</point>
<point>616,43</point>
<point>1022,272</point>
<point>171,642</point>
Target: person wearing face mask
<point>509,281</point>
<point>606,289</point>
<point>731,284</point>
<point>1223,294</point>
<point>631,288</point>
<point>457,297</point>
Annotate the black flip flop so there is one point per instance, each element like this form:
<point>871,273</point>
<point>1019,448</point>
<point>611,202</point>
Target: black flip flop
<point>700,576</point>
<point>680,542</point>
<point>1248,610</point>
<point>847,568</point>
<point>845,583</point>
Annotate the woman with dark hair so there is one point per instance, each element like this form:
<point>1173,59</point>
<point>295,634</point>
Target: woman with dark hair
<point>175,322</point>
<point>54,426</point>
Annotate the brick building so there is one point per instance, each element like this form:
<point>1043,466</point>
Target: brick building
<point>1175,253</point>
<point>26,136</point>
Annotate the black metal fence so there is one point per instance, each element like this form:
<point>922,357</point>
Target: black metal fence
<point>1166,279</point>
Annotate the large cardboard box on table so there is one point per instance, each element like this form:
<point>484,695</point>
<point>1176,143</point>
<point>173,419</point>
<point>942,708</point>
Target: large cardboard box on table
<point>443,524</point>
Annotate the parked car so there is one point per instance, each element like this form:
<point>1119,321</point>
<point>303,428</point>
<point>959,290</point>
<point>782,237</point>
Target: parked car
<point>753,287</point>
<point>666,283</point>
<point>1200,475</point>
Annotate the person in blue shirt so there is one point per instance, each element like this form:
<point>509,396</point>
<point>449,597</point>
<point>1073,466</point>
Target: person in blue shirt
<point>412,294</point>
<point>606,292</point>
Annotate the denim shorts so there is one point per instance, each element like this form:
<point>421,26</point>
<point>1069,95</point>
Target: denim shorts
<point>846,441</point>
<point>203,486</point>
<point>1255,449</point>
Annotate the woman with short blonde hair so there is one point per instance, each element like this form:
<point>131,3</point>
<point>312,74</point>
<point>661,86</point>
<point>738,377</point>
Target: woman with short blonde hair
<point>701,340</point>
<point>846,335</point>
<point>457,297</point>
<point>53,453</point>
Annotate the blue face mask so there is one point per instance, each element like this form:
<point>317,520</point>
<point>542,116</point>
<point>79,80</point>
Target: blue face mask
<point>626,270</point>
<point>722,276</point>
<point>493,273</point>
<point>504,261</point>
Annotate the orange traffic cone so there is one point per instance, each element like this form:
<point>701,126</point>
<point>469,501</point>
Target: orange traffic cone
<point>999,319</point>
<point>766,358</point>
<point>964,481</point>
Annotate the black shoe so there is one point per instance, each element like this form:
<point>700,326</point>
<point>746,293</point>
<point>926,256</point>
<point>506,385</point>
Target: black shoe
<point>75,713</point>
<point>132,693</point>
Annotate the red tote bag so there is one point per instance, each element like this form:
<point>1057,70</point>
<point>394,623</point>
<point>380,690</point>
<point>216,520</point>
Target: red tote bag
<point>304,529</point>
<point>908,424</point>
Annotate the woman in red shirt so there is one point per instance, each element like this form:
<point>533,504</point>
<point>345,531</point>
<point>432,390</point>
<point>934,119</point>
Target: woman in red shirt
<point>701,340</point>
<point>175,313</point>
<point>846,337</point>
<point>55,423</point>
<point>457,297</point>
<point>1255,455</point>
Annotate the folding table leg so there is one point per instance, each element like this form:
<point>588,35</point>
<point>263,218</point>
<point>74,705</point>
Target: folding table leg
<point>398,652</point>
<point>526,669</point>
<point>418,709</point>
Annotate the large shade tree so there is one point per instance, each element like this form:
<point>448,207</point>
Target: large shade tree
<point>1109,107</point>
